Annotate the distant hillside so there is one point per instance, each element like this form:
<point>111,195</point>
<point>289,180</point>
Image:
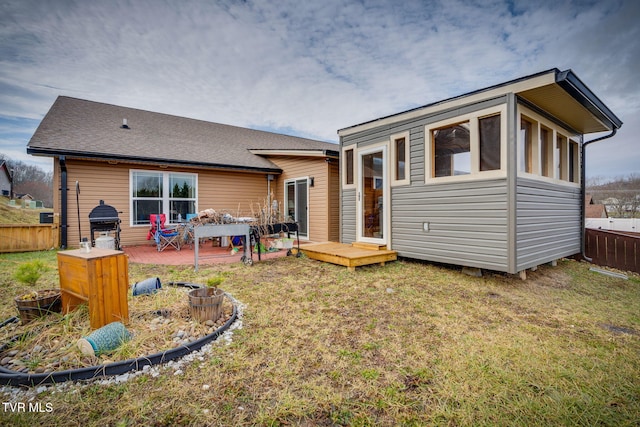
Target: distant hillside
<point>622,196</point>
<point>18,215</point>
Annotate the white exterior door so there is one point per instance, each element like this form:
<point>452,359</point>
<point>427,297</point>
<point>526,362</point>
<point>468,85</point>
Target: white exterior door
<point>373,220</point>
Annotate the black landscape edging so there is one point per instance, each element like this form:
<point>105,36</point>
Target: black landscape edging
<point>13,378</point>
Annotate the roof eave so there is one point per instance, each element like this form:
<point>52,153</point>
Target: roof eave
<point>296,152</point>
<point>148,160</point>
<point>565,80</point>
<point>570,83</point>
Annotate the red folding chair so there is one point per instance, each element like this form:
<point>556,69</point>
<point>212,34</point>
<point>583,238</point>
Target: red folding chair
<point>164,236</point>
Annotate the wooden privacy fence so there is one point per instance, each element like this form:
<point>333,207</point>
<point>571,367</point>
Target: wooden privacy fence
<point>28,237</point>
<point>619,250</point>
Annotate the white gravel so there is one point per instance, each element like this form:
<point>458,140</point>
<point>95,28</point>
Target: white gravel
<point>172,367</point>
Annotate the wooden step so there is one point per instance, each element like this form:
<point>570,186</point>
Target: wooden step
<point>369,246</point>
<point>347,255</point>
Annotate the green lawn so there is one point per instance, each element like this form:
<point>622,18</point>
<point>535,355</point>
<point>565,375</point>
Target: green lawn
<point>404,344</point>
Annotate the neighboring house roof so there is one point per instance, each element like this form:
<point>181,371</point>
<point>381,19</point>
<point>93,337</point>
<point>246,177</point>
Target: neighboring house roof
<point>593,210</point>
<point>86,129</point>
<point>560,93</point>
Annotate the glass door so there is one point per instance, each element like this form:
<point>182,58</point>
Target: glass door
<point>372,196</point>
<point>297,203</point>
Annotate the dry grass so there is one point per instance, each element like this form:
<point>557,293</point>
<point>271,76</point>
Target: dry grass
<point>404,344</point>
<point>18,215</point>
<point>153,322</point>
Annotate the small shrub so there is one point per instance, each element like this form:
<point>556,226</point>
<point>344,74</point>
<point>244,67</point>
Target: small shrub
<point>214,282</point>
<point>29,272</point>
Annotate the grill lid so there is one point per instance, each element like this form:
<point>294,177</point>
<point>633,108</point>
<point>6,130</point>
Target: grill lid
<point>103,213</point>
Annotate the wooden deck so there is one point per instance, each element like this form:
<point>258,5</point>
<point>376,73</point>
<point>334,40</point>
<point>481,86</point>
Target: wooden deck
<point>351,256</point>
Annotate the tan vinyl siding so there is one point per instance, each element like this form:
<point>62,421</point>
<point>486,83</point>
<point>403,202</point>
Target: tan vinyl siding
<point>334,201</point>
<point>97,181</point>
<point>321,219</point>
<point>240,194</point>
<point>233,192</point>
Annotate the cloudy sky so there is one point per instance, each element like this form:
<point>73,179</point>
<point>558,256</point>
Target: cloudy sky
<point>309,68</point>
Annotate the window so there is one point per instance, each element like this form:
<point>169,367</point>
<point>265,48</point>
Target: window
<point>452,150</point>
<point>400,158</point>
<point>574,159</point>
<point>466,147</point>
<point>400,152</point>
<point>162,192</point>
<point>562,156</point>
<point>182,196</point>
<point>545,149</point>
<point>348,167</point>
<point>525,147</point>
<point>147,196</point>
<point>489,143</point>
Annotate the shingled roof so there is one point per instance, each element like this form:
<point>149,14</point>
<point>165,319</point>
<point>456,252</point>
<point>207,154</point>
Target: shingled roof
<point>87,129</point>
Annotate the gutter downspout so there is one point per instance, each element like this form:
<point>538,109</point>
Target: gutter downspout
<point>63,202</point>
<point>583,190</point>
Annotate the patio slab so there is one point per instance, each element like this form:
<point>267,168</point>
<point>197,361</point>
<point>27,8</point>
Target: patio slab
<point>208,255</point>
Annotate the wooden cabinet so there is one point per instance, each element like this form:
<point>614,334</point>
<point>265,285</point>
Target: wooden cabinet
<point>99,278</point>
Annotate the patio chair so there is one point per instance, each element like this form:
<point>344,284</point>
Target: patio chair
<point>163,235</point>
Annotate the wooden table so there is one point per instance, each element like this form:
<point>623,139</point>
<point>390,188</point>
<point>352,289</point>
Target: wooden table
<point>99,278</point>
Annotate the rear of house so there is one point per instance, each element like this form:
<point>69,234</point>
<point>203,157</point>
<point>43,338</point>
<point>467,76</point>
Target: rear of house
<point>490,179</point>
<point>143,162</point>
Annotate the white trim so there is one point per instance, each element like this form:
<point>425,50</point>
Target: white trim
<point>343,167</point>
<point>407,159</point>
<point>386,210</point>
<point>164,198</point>
<point>474,136</point>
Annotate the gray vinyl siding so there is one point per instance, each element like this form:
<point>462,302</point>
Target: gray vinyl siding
<point>548,222</point>
<point>467,223</point>
<point>505,224</point>
<point>348,213</point>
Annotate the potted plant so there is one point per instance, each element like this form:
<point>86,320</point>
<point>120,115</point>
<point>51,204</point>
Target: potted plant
<point>34,304</point>
<point>206,303</point>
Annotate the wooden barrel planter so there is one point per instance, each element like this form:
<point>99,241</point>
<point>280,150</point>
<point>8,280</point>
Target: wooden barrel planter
<point>206,304</point>
<point>37,304</point>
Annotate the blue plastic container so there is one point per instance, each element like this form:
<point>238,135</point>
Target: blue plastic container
<point>147,286</point>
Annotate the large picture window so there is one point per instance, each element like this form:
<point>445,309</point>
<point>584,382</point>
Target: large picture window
<point>173,194</point>
<point>466,147</point>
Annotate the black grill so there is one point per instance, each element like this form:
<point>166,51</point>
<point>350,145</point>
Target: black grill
<point>104,218</point>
